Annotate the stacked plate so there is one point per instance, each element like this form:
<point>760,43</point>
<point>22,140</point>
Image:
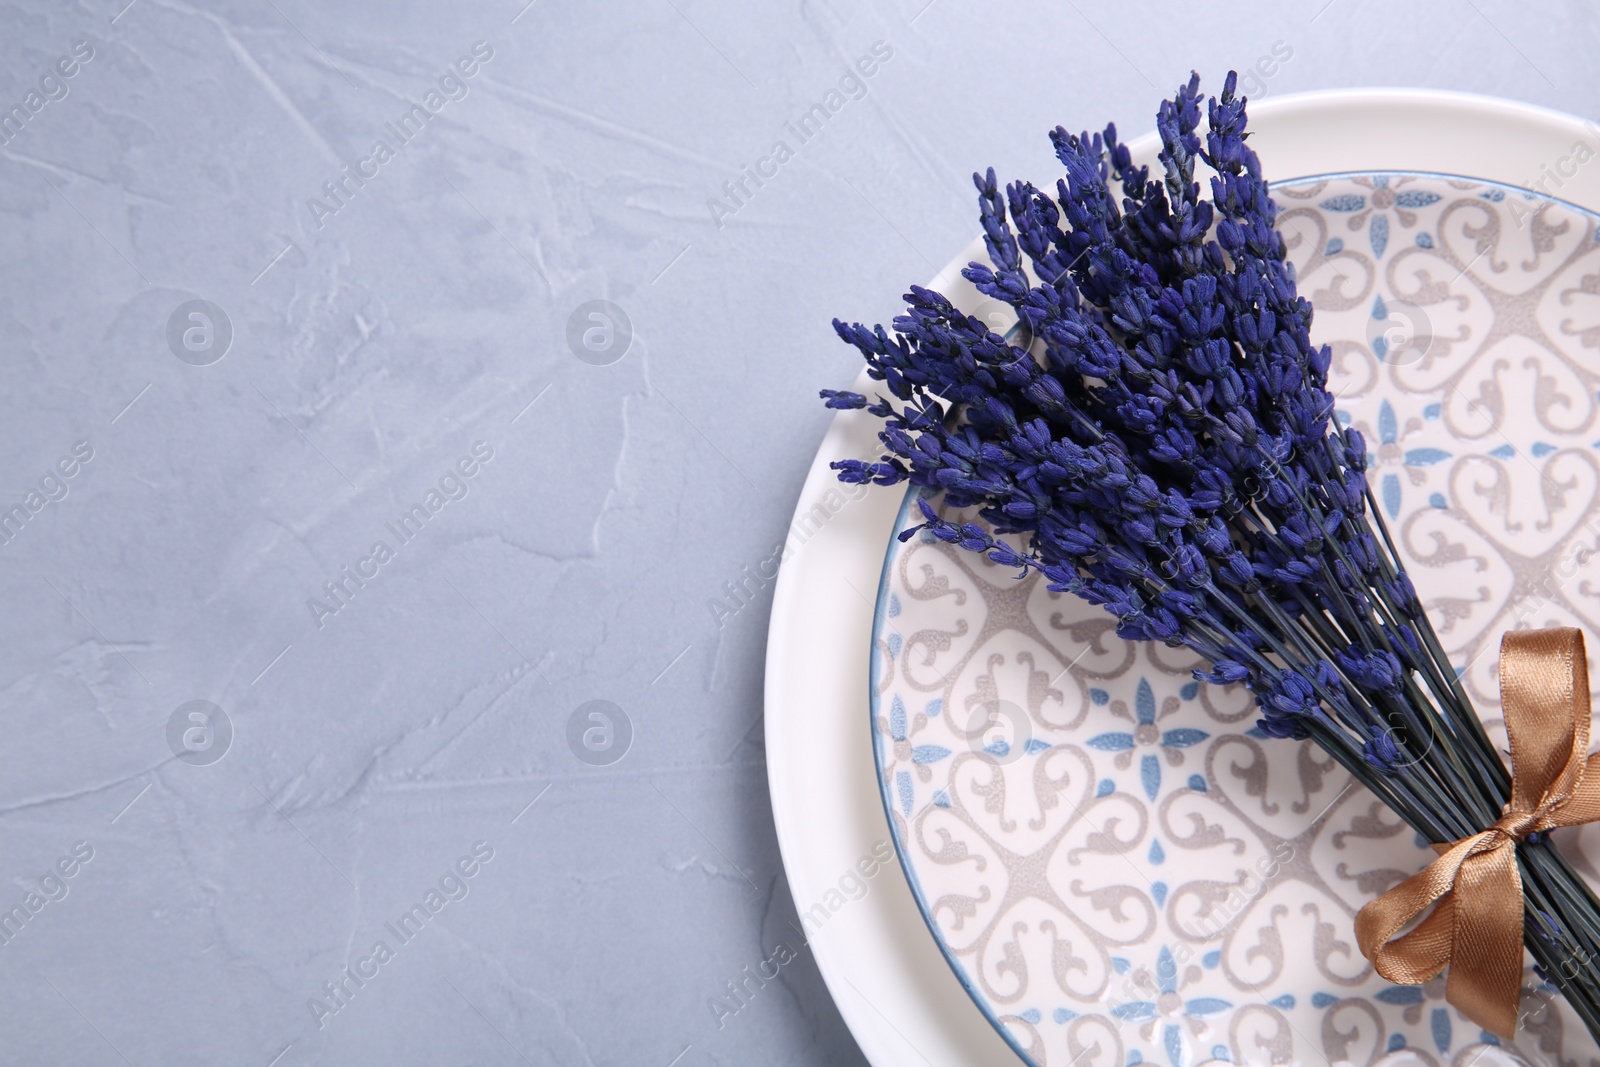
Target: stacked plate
<point>1100,862</point>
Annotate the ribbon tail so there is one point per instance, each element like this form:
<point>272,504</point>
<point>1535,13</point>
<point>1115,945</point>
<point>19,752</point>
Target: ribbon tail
<point>1486,960</point>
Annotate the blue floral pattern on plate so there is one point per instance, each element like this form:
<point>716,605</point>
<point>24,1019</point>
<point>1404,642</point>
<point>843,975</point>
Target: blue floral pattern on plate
<point>1118,867</point>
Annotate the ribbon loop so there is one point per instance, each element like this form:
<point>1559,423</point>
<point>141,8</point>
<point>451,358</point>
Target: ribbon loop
<point>1474,888</point>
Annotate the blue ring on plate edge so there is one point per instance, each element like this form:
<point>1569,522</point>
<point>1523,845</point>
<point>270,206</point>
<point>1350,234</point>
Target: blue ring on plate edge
<point>914,492</point>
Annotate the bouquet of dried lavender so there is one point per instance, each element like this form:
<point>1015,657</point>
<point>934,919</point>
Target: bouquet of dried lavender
<point>1164,445</point>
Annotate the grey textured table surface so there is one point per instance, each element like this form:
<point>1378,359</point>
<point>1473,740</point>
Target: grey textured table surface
<point>388,353</point>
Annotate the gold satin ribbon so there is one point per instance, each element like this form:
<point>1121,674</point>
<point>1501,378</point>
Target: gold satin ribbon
<point>1474,887</point>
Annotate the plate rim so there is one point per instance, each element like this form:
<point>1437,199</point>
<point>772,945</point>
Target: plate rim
<point>817,671</point>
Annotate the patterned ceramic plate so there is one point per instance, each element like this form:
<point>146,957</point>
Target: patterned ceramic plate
<point>1118,867</point>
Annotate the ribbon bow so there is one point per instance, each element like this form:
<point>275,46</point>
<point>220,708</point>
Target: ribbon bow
<point>1476,924</point>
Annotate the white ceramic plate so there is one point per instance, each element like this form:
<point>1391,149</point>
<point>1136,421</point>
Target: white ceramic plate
<point>901,1001</point>
<point>1117,864</point>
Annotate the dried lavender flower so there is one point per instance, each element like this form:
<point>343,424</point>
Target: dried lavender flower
<point>1166,449</point>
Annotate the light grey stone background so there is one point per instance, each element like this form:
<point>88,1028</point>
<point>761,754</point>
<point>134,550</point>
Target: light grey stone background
<point>376,340</point>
